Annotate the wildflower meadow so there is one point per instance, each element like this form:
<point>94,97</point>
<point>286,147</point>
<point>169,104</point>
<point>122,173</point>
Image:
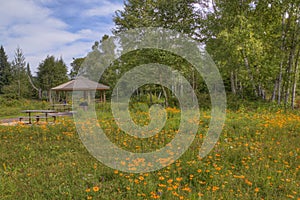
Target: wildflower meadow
<point>256,157</point>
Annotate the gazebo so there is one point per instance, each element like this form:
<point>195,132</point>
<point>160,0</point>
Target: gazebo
<point>82,84</point>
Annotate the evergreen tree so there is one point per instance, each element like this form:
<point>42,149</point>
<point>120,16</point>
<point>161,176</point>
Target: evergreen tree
<point>51,72</point>
<point>5,71</point>
<point>20,84</point>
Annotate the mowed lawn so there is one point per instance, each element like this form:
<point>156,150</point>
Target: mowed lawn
<point>257,157</point>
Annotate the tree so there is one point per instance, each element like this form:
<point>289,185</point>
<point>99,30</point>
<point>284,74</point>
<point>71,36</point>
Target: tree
<point>51,72</point>
<point>76,64</point>
<point>178,15</point>
<point>5,70</point>
<point>256,45</point>
<point>31,80</point>
<point>94,64</point>
<point>20,84</point>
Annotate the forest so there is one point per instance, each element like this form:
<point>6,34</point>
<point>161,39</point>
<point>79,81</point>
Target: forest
<point>255,45</point>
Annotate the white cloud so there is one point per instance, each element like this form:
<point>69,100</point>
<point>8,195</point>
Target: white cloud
<point>38,32</point>
<point>21,11</point>
<point>106,8</point>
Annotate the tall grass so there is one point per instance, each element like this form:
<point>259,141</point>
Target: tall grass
<point>12,108</point>
<point>256,157</point>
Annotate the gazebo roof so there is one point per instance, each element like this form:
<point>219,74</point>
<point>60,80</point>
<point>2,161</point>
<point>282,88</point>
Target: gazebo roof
<point>80,84</point>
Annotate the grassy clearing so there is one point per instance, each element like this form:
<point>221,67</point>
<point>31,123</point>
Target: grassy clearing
<point>257,157</point>
<point>12,108</point>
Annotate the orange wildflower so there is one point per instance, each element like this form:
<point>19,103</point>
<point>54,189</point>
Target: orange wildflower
<point>96,188</point>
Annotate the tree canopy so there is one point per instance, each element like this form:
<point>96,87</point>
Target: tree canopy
<point>254,43</point>
<point>51,72</point>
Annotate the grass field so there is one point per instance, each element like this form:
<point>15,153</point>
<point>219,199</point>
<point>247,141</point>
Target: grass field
<point>257,157</point>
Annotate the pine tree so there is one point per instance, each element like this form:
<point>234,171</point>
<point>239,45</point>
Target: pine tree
<point>20,83</point>
<point>5,71</point>
<point>51,72</point>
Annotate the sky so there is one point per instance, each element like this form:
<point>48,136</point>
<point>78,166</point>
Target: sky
<point>62,28</point>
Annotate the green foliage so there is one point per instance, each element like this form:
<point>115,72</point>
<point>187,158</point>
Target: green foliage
<point>51,72</point>
<point>20,86</point>
<point>76,64</point>
<point>178,15</point>
<point>12,106</point>
<point>5,70</point>
<point>7,101</point>
<point>253,43</point>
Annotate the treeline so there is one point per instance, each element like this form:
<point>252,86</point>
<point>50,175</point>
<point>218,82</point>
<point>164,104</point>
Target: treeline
<point>17,81</point>
<point>254,43</point>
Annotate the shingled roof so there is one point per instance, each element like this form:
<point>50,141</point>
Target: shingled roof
<point>80,84</point>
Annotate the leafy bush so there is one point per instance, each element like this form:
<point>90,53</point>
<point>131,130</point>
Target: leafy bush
<point>9,101</point>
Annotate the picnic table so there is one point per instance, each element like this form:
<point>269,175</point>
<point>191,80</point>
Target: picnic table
<point>37,117</point>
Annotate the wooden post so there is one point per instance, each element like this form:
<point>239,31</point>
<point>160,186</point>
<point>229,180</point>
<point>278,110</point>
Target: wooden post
<point>51,97</point>
<point>84,95</point>
<point>101,99</point>
<point>89,97</point>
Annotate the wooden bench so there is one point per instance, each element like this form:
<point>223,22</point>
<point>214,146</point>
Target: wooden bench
<point>38,117</point>
<point>60,114</point>
<point>23,117</point>
<point>53,115</point>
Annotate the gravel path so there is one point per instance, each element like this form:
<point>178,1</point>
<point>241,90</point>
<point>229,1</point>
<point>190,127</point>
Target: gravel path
<point>8,120</point>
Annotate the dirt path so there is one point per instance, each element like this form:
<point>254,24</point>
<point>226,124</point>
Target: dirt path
<point>9,120</point>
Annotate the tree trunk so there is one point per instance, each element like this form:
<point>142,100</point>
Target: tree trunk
<point>166,96</point>
<point>280,82</point>
<point>19,87</point>
<point>49,95</point>
<point>31,83</point>
<point>40,93</point>
<point>232,82</point>
<point>274,90</point>
<point>295,80</point>
<point>261,92</point>
<point>236,83</point>
<point>282,50</point>
<point>165,93</point>
<point>247,65</point>
<point>289,68</point>
<point>194,85</point>
<point>287,86</point>
<point>296,58</point>
<point>151,101</point>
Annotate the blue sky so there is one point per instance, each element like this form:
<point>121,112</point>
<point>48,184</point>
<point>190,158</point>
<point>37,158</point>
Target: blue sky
<point>66,28</point>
